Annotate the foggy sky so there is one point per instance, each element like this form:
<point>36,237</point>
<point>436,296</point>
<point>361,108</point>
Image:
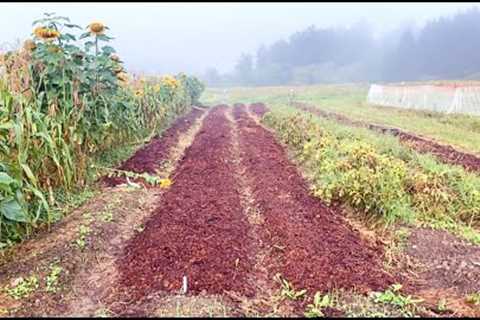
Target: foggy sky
<point>174,37</point>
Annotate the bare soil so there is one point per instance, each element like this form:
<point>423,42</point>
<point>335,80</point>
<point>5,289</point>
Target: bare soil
<point>449,262</point>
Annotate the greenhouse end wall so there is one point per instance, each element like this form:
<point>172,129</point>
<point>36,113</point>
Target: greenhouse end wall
<point>439,98</point>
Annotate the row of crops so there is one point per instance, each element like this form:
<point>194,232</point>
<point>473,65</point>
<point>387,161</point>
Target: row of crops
<point>379,176</point>
<point>64,99</point>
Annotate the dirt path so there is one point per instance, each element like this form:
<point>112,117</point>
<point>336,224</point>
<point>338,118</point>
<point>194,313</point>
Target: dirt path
<point>265,301</point>
<point>444,153</point>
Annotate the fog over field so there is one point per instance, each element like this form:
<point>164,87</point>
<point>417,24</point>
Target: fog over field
<point>195,38</point>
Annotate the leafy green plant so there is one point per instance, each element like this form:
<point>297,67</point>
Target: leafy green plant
<point>287,290</point>
<point>88,217</point>
<point>83,232</point>
<point>23,287</point>
<point>107,216</point>
<point>392,296</point>
<point>319,302</point>
<point>52,278</point>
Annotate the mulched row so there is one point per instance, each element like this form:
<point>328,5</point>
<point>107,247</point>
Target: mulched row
<point>258,108</point>
<point>149,158</point>
<point>312,246</point>
<point>199,230</point>
<point>445,153</point>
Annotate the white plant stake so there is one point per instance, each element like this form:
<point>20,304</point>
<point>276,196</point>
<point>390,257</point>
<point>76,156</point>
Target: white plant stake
<point>184,286</point>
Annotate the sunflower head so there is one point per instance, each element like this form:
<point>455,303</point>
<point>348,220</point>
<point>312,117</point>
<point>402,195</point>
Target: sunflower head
<point>138,93</point>
<point>46,34</point>
<point>38,31</point>
<point>96,28</point>
<point>170,81</point>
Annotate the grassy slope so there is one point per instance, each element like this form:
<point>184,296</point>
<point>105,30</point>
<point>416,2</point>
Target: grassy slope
<point>461,131</point>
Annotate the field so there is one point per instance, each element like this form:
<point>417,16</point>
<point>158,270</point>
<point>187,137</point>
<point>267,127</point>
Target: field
<point>461,131</point>
<point>268,203</point>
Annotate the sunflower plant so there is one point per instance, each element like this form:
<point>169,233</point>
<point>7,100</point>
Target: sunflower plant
<point>65,99</point>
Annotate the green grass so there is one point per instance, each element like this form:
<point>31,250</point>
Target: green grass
<point>461,131</point>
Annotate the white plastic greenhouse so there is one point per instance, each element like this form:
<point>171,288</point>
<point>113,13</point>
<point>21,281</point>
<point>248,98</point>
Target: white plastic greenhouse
<point>440,98</point>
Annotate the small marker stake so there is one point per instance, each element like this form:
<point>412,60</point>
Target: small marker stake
<point>184,286</point>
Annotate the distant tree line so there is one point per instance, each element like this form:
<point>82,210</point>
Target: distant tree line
<point>445,48</point>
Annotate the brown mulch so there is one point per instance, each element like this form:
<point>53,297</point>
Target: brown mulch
<point>314,248</point>
<point>444,153</point>
<point>149,158</point>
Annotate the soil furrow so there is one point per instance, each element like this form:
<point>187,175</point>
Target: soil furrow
<point>264,301</point>
<point>314,248</point>
<point>198,231</point>
<point>444,153</point>
<point>150,157</point>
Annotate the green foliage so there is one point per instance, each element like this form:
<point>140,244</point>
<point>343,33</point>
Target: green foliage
<point>83,232</point>
<point>319,302</point>
<point>378,175</point>
<point>62,104</point>
<point>392,296</point>
<point>52,278</point>
<point>288,291</point>
<point>23,287</point>
<point>107,216</point>
<point>194,87</point>
<point>346,169</point>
